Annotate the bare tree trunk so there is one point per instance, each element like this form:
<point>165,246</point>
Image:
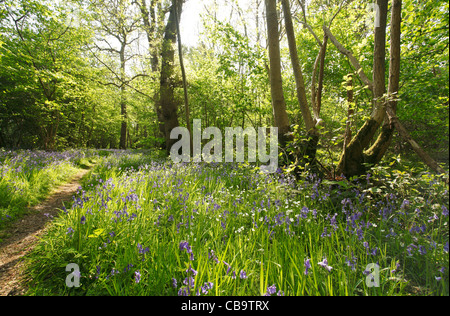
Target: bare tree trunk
<point>323,52</point>
<point>276,84</point>
<point>123,104</point>
<point>167,98</point>
<point>310,146</point>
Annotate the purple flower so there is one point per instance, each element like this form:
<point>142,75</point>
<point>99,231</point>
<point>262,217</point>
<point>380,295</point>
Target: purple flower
<point>182,292</point>
<point>229,267</point>
<point>69,231</point>
<point>137,277</point>
<point>243,275</point>
<point>174,283</point>
<point>141,249</point>
<point>352,263</point>
<point>422,250</point>
<point>397,266</point>
<point>444,210</point>
<point>307,266</point>
<point>325,265</point>
<point>185,245</point>
<point>83,220</point>
<point>190,270</point>
<point>207,286</point>
<point>272,289</point>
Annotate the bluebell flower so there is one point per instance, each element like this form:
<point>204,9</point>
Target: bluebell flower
<point>444,210</point>
<point>272,289</point>
<point>307,266</point>
<point>243,275</point>
<point>137,277</point>
<point>325,265</point>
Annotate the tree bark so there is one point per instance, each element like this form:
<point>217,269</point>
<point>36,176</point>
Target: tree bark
<point>323,53</point>
<point>351,112</point>
<point>276,84</point>
<point>352,160</point>
<point>310,146</point>
<point>379,149</point>
<point>183,74</point>
<point>167,82</point>
<point>123,104</point>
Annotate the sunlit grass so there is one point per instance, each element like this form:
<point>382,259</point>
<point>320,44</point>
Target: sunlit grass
<point>143,227</point>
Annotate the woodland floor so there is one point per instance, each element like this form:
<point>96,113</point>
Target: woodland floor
<point>22,236</point>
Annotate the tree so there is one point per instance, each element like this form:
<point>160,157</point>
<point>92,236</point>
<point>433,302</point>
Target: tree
<point>117,22</point>
<point>43,75</point>
<point>276,83</point>
<point>352,160</point>
<point>167,100</point>
<point>310,146</point>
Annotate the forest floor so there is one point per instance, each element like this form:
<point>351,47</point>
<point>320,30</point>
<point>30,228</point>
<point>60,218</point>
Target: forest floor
<point>21,236</point>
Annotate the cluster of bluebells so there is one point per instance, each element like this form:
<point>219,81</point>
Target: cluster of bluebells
<point>176,211</point>
<point>271,290</point>
<point>20,169</point>
<point>189,282</point>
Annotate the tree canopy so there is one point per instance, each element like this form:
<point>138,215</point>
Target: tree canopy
<point>106,74</point>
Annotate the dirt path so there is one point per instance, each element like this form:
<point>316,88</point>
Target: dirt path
<point>24,233</point>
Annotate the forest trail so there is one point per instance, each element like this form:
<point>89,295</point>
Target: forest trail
<point>24,234</point>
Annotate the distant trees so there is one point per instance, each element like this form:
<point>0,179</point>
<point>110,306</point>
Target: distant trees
<point>116,21</point>
<point>107,73</point>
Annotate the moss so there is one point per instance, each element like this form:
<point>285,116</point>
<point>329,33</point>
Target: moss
<point>352,160</point>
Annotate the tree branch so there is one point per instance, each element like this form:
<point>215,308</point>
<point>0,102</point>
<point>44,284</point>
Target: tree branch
<point>351,58</point>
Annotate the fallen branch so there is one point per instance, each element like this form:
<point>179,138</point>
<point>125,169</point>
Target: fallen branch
<point>430,162</point>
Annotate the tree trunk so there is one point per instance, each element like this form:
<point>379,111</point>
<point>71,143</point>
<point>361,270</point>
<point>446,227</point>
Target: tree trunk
<point>183,74</point>
<point>351,112</point>
<point>323,53</point>
<point>154,35</point>
<point>352,160</point>
<point>123,104</point>
<point>379,149</point>
<point>276,84</point>
<point>167,98</point>
<point>309,148</point>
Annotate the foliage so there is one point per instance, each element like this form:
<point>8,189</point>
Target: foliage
<point>145,227</point>
<point>27,177</point>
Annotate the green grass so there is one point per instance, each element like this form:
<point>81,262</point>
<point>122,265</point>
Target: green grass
<point>244,232</point>
<point>27,177</point>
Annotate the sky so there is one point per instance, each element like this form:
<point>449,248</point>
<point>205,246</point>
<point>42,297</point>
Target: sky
<point>191,23</point>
